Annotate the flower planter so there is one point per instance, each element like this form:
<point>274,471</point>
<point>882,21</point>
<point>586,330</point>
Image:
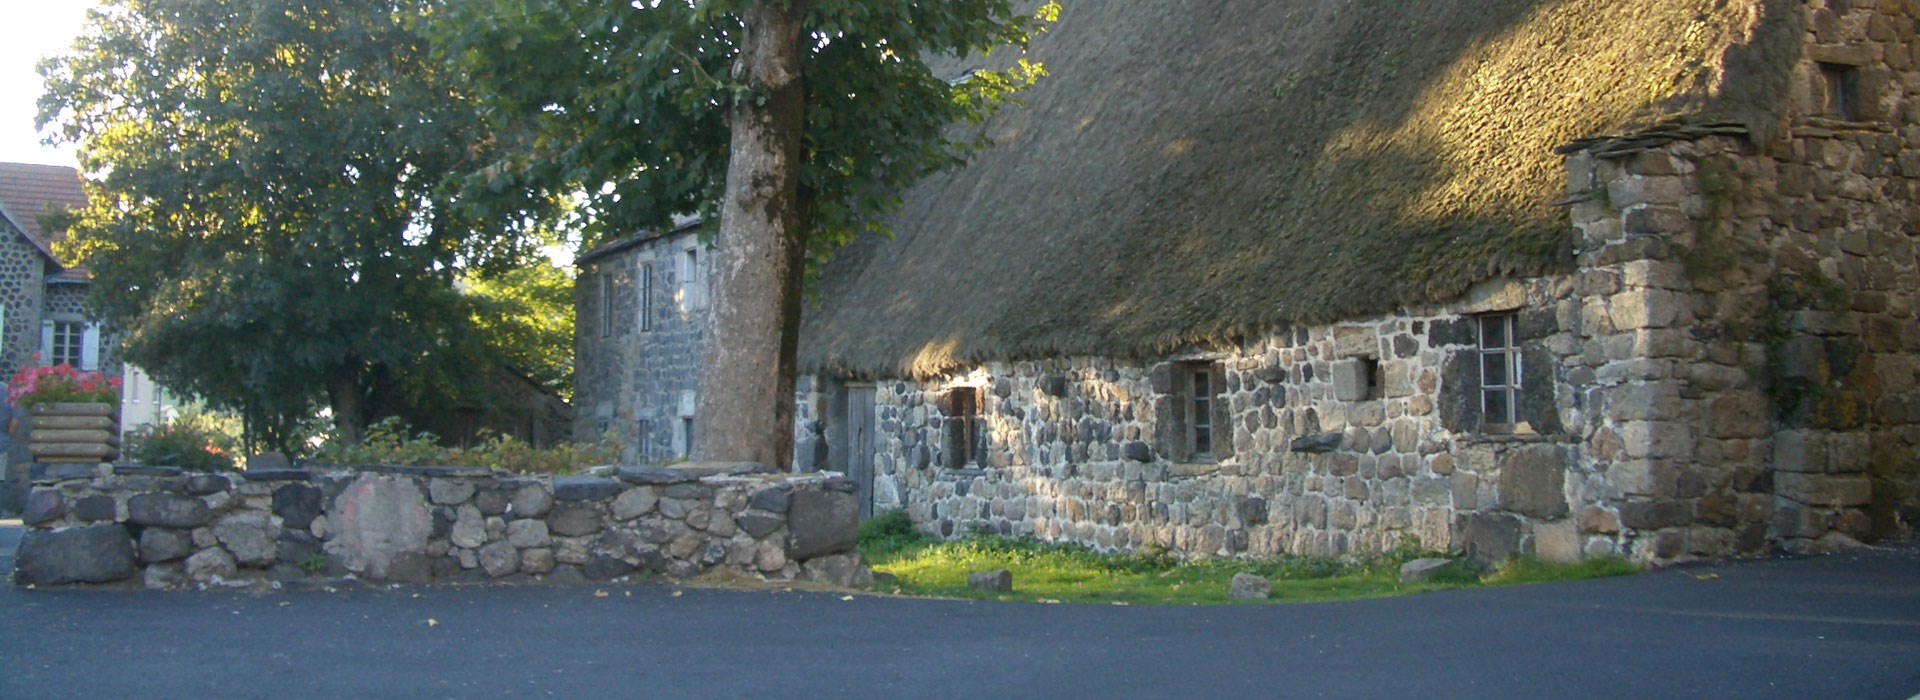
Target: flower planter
<point>73,432</point>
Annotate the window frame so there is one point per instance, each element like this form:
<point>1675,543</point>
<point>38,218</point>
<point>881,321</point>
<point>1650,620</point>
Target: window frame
<point>1504,389</point>
<point>1841,91</point>
<point>646,297</point>
<point>967,435</point>
<point>73,335</point>
<point>606,305</point>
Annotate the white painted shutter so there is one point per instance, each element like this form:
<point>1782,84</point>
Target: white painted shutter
<point>90,347</point>
<point>46,343</point>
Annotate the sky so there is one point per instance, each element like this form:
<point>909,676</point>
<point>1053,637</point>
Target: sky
<point>31,30</point>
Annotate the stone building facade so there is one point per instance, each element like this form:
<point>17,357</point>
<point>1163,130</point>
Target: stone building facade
<point>641,313</point>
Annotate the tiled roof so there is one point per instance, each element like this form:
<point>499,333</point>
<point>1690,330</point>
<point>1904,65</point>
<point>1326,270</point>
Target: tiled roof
<point>27,191</point>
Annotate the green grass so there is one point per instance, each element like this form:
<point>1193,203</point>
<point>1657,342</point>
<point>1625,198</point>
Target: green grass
<point>1070,574</point>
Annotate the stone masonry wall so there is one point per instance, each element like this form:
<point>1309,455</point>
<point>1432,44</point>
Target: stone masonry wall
<point>165,529</point>
<point>629,375</point>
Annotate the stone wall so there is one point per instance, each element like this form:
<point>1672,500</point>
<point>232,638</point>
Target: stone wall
<point>626,378</point>
<point>164,529</point>
<point>22,293</point>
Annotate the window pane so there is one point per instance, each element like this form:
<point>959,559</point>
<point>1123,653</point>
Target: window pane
<point>1202,440</point>
<point>1201,381</point>
<point>1493,331</point>
<point>1497,410</point>
<point>1493,369</point>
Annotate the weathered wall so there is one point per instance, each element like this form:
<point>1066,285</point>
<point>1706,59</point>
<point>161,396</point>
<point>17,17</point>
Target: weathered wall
<point>164,529</point>
<point>627,375</point>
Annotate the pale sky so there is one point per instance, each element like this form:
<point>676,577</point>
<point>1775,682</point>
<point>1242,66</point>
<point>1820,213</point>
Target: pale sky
<point>31,30</point>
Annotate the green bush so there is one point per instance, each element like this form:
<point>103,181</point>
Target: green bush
<point>388,443</point>
<point>193,441</point>
<point>888,532</point>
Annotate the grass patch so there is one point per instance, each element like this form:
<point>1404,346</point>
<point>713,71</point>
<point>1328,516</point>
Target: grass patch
<point>922,566</point>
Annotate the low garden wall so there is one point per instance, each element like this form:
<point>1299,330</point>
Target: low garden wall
<point>163,529</point>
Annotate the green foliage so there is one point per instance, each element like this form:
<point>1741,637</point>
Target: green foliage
<point>314,564</point>
<point>273,220</point>
<point>526,316</point>
<point>388,443</point>
<point>625,104</point>
<point>1075,574</point>
<point>196,441</point>
<point>888,533</point>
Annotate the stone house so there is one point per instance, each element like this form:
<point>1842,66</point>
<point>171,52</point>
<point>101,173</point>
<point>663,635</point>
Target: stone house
<point>42,303</point>
<point>640,310</point>
<point>1567,279</point>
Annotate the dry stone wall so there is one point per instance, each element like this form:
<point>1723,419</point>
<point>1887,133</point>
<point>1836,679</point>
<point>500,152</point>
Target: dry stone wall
<point>165,529</point>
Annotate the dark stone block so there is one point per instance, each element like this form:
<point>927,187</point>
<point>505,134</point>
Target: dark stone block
<point>1488,538</point>
<point>491,502</point>
<point>1459,331</point>
<point>1253,510</point>
<point>603,567</point>
<point>158,544</point>
<point>1533,482</point>
<point>43,506</point>
<point>278,475</point>
<point>573,521</point>
<point>1537,406</point>
<point>410,567</point>
<point>1271,374</point>
<point>651,559</point>
<point>1320,443</point>
<point>759,524</point>
<point>44,472</point>
<point>773,499</point>
<point>444,568</point>
<point>205,484</point>
<point>137,470</point>
<point>840,484</point>
<point>821,523</point>
<point>1460,403</point>
<point>689,492</point>
<point>1654,515</point>
<point>295,547</point>
<point>94,508</point>
<point>297,505</point>
<point>1055,385</point>
<point>441,523</point>
<point>585,488</point>
<point>167,510</point>
<point>1138,451</point>
<point>90,554</point>
<point>1160,378</point>
<point>1405,346</point>
<point>1002,387</point>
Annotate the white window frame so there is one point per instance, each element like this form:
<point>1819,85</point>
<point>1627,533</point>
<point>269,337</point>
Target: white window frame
<point>1500,371</point>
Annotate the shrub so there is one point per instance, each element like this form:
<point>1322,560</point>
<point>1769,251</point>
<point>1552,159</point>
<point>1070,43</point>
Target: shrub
<point>891,531</point>
<point>388,442</point>
<point>192,441</point>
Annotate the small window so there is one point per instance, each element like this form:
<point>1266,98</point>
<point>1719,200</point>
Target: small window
<point>690,279</point>
<point>686,438</point>
<point>966,427</point>
<point>644,436</point>
<point>1200,399</point>
<point>1499,371</point>
<point>646,297</point>
<point>68,344</point>
<point>1843,91</point>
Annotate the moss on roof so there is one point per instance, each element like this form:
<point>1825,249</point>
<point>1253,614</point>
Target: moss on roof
<point>1199,171</point>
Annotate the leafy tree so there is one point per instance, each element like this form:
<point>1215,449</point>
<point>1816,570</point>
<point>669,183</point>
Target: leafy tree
<point>526,316</point>
<point>793,124</point>
<point>272,220</point>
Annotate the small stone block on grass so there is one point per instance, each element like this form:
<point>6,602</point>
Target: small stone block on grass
<point>1250,587</point>
<point>998,581</point>
<point>1421,570</point>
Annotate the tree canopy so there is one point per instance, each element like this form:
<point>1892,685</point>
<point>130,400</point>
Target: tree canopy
<point>274,194</point>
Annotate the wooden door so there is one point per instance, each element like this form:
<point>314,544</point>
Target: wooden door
<point>860,441</point>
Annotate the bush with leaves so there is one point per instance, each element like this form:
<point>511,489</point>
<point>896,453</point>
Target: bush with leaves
<point>388,443</point>
<point>194,441</point>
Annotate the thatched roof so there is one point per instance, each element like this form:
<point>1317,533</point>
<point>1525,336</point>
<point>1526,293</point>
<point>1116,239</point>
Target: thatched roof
<point>1197,171</point>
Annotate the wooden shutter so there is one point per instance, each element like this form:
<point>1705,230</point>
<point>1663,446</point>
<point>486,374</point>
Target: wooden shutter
<point>90,347</point>
<point>46,343</point>
<point>1222,413</point>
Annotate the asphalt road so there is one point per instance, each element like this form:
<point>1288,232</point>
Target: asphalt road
<point>1843,626</point>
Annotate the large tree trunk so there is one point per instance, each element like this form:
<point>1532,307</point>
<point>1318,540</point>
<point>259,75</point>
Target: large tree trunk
<point>746,384</point>
<point>349,405</point>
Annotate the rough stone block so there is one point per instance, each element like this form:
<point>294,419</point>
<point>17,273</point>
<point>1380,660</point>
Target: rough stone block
<point>91,554</point>
<point>249,536</point>
<point>43,506</point>
<point>1559,542</point>
<point>821,523</point>
<point>603,567</point>
<point>585,488</point>
<point>1488,538</point>
<point>997,581</point>
<point>1824,490</point>
<point>94,508</point>
<point>205,484</point>
<point>531,501</point>
<point>1655,514</point>
<point>574,520</point>
<point>633,503</point>
<point>449,492</point>
<point>499,559</point>
<point>167,510</point>
<point>297,504</point>
<point>1422,570</point>
<point>842,570</point>
<point>1249,587</point>
<point>376,519</point>
<point>211,565</point>
<point>1350,379</point>
<point>1533,482</point>
<point>759,525</point>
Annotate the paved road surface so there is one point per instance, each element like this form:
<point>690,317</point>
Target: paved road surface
<point>1845,626</point>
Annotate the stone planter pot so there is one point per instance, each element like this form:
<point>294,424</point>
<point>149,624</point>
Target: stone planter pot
<point>73,432</point>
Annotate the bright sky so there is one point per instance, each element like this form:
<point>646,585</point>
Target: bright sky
<point>31,30</point>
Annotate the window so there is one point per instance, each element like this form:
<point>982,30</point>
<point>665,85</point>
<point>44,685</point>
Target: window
<point>966,427</point>
<point>690,287</point>
<point>686,438</point>
<point>1200,425</point>
<point>1192,419</point>
<point>606,307</point>
<point>68,344</point>
<point>646,297</point>
<point>1499,371</point>
<point>644,434</point>
<point>1843,91</point>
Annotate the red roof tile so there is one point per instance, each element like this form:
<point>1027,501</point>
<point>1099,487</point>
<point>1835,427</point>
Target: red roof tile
<point>27,191</point>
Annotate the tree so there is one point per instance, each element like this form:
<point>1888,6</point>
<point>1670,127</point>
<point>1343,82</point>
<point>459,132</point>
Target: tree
<point>525,316</point>
<point>273,201</point>
<point>797,122</point>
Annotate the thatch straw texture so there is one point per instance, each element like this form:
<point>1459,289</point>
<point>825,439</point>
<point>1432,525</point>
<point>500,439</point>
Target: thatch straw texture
<point>1198,171</point>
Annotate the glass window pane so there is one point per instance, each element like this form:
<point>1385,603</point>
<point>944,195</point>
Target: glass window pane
<point>1200,385</point>
<point>1497,410</point>
<point>1493,332</point>
<point>1202,440</point>
<point>1493,369</point>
